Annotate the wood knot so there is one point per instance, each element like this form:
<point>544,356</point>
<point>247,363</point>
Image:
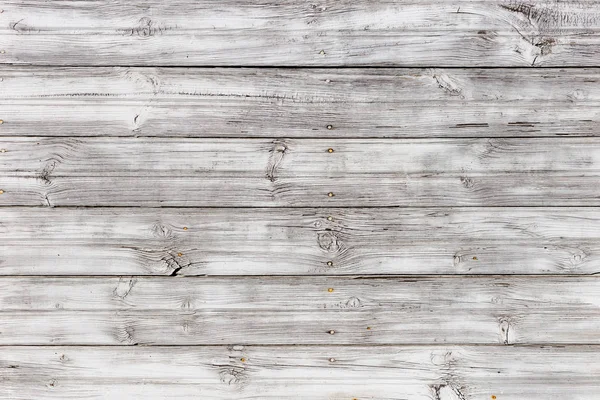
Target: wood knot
<point>278,151</point>
<point>44,175</point>
<point>162,231</point>
<point>124,288</point>
<point>125,335</point>
<point>353,302</point>
<point>467,182</point>
<point>505,330</point>
<point>328,241</point>
<point>445,82</point>
<point>232,375</point>
<point>147,28</point>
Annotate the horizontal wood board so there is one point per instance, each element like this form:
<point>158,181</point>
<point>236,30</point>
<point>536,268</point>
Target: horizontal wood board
<point>299,310</point>
<point>478,33</point>
<point>299,103</point>
<point>330,241</point>
<point>309,372</point>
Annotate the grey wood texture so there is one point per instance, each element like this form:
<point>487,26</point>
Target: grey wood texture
<point>329,241</point>
<point>329,33</point>
<point>299,173</point>
<point>286,103</point>
<point>324,310</point>
<point>337,200</point>
<point>302,372</point>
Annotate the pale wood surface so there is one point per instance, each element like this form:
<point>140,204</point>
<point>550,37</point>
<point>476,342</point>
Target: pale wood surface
<point>299,173</point>
<point>285,103</point>
<point>208,311</point>
<point>226,200</point>
<point>135,241</point>
<point>382,32</point>
<point>302,372</point>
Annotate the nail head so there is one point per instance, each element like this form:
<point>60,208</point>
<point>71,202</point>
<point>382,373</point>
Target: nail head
<point>329,218</point>
<point>330,263</point>
<point>331,332</point>
<point>332,360</point>
<point>330,127</point>
<point>330,290</point>
<point>330,150</point>
<point>330,194</point>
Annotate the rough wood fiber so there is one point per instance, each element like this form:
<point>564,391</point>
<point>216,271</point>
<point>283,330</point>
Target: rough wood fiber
<point>327,373</point>
<point>299,173</point>
<point>286,310</point>
<point>124,241</point>
<point>326,33</point>
<point>288,103</point>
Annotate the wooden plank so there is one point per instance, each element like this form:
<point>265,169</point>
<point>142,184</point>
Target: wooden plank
<point>287,103</point>
<point>328,373</point>
<point>111,241</point>
<point>299,173</point>
<point>409,33</point>
<point>299,310</point>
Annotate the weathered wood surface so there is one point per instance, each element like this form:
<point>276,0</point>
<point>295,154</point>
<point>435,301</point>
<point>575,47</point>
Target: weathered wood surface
<point>135,241</point>
<point>327,373</point>
<point>287,103</point>
<point>299,173</point>
<point>288,310</point>
<point>291,33</point>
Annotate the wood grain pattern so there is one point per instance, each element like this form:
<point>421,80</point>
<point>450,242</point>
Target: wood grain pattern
<point>327,373</point>
<point>225,200</point>
<point>286,310</point>
<point>299,173</point>
<point>340,33</point>
<point>286,103</point>
<point>134,241</point>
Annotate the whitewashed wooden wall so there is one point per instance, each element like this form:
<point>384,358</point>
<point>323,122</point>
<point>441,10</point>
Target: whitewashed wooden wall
<point>326,200</point>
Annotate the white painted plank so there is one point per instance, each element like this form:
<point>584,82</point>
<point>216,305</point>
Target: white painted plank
<point>286,310</point>
<point>288,103</point>
<point>299,173</point>
<point>382,32</point>
<point>109,241</point>
<point>328,373</point>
